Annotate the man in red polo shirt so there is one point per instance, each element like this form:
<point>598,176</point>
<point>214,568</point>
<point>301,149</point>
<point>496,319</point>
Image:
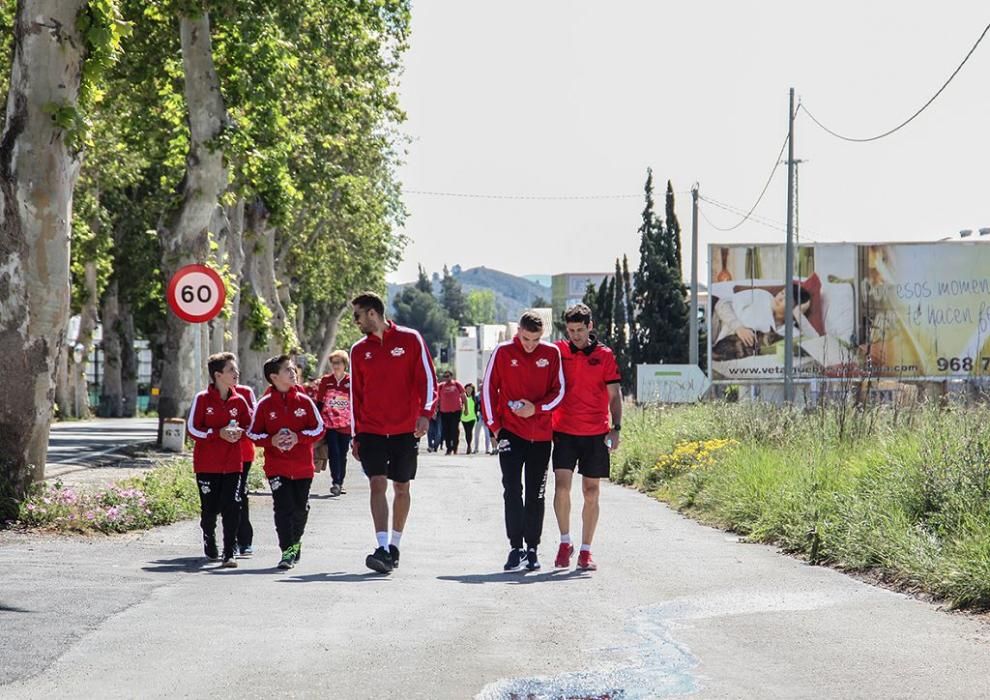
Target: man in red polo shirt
<point>582,437</point>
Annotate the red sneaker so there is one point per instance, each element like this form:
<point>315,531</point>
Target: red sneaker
<point>564,554</point>
<point>586,562</point>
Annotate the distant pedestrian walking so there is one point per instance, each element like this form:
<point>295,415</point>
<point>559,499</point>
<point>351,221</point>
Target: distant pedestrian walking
<point>393,395</point>
<point>286,424</point>
<point>216,423</point>
<point>451,406</point>
<point>470,415</point>
<point>334,399</point>
<point>523,385</point>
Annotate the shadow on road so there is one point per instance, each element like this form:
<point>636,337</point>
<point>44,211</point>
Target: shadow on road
<point>11,608</point>
<point>518,577</point>
<point>168,566</point>
<point>336,577</point>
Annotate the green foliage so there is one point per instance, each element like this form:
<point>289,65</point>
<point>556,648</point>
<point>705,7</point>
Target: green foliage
<point>904,497</point>
<point>164,495</point>
<point>481,307</point>
<point>660,296</point>
<point>454,301</point>
<point>258,319</point>
<point>419,310</point>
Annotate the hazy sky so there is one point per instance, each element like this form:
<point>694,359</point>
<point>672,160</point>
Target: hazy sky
<point>579,98</point>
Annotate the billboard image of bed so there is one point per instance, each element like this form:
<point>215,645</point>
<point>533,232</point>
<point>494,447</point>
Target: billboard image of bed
<point>905,310</point>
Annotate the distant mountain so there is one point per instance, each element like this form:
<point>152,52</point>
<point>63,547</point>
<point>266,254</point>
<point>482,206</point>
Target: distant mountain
<point>513,294</point>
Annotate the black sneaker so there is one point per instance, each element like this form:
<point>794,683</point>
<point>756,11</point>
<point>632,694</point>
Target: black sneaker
<point>245,551</point>
<point>514,562</point>
<point>532,563</point>
<point>210,548</point>
<point>379,560</point>
<point>228,561</point>
<point>335,490</point>
<point>288,559</point>
<point>393,552</point>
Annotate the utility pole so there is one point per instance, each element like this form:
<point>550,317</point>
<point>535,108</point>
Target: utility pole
<point>789,264</point>
<point>693,344</point>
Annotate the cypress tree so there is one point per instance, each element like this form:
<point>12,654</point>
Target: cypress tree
<point>620,344</point>
<point>603,312</point>
<point>453,299</point>
<point>423,283</point>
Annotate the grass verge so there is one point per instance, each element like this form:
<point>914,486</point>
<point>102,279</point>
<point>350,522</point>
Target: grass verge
<point>903,495</point>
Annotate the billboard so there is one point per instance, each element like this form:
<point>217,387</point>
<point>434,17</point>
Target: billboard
<point>903,310</point>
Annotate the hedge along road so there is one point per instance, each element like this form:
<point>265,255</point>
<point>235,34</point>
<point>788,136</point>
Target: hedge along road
<point>675,609</point>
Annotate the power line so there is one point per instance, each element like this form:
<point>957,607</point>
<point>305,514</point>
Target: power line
<point>473,195</point>
<point>746,217</point>
<point>913,116</point>
<point>756,219</point>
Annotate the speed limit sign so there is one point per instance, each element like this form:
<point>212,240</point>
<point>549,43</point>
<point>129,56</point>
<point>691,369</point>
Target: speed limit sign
<point>196,293</point>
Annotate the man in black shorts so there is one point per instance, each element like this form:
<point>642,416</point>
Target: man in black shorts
<point>393,394</point>
<point>582,437</point>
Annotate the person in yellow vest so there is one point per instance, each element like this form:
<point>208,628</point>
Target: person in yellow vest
<point>470,414</point>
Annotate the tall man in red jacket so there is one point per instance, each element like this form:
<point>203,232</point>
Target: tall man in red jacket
<point>523,384</point>
<point>393,393</point>
<point>582,436</point>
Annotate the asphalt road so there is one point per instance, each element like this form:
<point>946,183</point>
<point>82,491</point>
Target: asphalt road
<point>80,444</point>
<point>676,609</point>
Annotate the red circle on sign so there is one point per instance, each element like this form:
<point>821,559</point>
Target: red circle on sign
<point>196,293</point>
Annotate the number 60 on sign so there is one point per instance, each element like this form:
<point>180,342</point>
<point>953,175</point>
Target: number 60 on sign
<point>196,293</point>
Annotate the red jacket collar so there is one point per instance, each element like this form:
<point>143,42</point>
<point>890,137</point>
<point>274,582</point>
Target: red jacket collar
<point>389,330</point>
<point>292,392</point>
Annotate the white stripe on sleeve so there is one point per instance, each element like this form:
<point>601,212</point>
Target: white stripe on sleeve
<point>319,419</point>
<point>189,421</point>
<point>560,373</point>
<point>486,395</point>
<point>257,409</point>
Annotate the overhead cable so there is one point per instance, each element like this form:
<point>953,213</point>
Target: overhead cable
<point>909,119</point>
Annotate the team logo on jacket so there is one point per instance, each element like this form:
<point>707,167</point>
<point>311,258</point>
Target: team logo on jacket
<point>209,410</point>
<point>299,412</point>
<point>272,415</point>
<point>514,363</point>
<point>367,355</point>
<point>543,362</point>
<point>233,413</point>
<point>398,352</point>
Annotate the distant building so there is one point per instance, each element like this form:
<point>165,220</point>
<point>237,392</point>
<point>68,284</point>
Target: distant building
<point>568,288</point>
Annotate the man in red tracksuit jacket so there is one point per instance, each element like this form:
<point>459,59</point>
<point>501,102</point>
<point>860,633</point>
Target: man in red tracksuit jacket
<point>216,424</point>
<point>523,384</point>
<point>393,393</point>
<point>245,533</point>
<point>286,424</point>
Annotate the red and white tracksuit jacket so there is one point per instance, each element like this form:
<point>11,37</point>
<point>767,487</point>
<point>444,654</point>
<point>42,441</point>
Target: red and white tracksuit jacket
<point>515,374</point>
<point>393,382</point>
<point>247,447</point>
<point>295,411</point>
<point>208,415</point>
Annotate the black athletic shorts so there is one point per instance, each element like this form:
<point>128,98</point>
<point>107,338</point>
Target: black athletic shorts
<point>588,453</point>
<point>393,456</point>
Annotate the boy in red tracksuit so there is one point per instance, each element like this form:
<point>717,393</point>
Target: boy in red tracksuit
<point>216,423</point>
<point>245,533</point>
<point>286,424</point>
<point>523,384</point>
<point>393,394</point>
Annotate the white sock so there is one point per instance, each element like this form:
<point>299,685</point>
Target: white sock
<point>565,539</point>
<point>396,537</point>
<point>586,548</point>
<point>382,538</point>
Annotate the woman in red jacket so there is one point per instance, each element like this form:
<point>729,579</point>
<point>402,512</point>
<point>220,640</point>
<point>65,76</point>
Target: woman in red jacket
<point>286,424</point>
<point>216,423</point>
